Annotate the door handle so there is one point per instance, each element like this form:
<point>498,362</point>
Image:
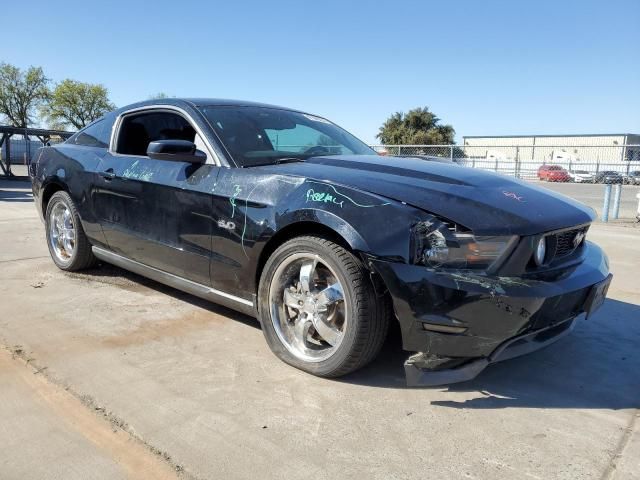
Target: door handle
<point>108,174</point>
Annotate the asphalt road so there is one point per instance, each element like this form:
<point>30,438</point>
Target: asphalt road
<point>107,375</point>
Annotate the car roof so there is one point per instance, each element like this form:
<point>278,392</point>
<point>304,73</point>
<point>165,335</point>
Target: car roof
<point>203,102</point>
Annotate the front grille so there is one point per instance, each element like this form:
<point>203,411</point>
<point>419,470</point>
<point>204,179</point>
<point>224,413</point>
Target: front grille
<point>565,241</point>
<point>561,246</point>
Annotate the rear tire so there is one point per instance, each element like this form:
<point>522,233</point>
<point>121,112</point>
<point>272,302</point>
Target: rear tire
<point>304,329</point>
<point>68,245</point>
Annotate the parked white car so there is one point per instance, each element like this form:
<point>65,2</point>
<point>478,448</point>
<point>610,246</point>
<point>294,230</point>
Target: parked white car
<point>581,176</point>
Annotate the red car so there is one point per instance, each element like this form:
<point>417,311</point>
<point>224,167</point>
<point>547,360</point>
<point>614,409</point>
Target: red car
<point>553,173</point>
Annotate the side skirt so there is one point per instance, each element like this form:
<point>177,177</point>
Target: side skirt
<point>226,299</point>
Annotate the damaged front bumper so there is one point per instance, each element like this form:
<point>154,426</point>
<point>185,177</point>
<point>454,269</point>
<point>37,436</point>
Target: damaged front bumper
<point>460,322</point>
<point>418,369</point>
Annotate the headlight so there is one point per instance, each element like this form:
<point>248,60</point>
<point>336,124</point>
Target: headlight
<point>438,244</point>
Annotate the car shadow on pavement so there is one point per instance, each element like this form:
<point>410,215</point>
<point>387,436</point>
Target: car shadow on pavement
<point>110,274</point>
<point>16,196</point>
<point>596,366</point>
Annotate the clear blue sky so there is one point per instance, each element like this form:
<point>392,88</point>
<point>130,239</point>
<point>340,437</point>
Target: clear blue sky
<point>486,67</point>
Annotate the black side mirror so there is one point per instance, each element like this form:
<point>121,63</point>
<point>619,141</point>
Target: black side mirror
<point>175,151</point>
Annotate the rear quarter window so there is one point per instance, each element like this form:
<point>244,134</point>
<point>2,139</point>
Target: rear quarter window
<point>97,134</point>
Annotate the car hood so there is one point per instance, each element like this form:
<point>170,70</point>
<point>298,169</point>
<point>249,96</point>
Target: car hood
<point>485,202</point>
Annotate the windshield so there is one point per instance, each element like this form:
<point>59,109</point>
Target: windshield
<point>262,136</point>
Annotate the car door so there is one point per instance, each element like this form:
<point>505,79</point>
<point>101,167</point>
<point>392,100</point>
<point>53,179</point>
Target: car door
<point>158,212</point>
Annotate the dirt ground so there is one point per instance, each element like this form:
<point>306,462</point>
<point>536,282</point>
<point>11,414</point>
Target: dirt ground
<point>107,375</point>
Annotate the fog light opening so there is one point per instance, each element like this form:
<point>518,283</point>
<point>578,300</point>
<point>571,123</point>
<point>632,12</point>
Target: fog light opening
<point>541,252</point>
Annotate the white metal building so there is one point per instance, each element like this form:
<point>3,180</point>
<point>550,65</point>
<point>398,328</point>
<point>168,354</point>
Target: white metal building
<point>577,149</point>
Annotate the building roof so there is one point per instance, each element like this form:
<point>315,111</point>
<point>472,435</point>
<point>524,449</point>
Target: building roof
<point>567,135</point>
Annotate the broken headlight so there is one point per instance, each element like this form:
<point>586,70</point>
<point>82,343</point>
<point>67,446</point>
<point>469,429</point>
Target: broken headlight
<point>440,244</point>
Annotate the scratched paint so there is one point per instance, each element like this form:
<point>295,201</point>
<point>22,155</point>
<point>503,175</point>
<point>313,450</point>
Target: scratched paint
<point>333,197</point>
<point>246,205</point>
<point>493,287</point>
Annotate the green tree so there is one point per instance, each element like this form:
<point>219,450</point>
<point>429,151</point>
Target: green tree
<point>76,104</point>
<point>20,93</point>
<point>417,127</point>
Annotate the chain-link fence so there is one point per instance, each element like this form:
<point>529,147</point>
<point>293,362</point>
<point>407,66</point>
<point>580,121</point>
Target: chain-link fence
<point>565,163</point>
<point>18,147</point>
<point>561,167</point>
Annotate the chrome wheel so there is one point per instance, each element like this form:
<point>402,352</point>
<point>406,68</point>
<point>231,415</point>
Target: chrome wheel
<point>62,232</point>
<point>308,307</point>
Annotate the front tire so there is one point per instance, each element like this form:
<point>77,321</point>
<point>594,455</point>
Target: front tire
<point>319,309</point>
<point>68,245</point>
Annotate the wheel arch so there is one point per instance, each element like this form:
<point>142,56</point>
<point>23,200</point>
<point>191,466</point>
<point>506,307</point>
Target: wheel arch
<point>351,241</point>
<point>51,187</point>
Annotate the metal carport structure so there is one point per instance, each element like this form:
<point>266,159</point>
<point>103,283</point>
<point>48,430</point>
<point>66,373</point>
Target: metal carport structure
<point>6,132</point>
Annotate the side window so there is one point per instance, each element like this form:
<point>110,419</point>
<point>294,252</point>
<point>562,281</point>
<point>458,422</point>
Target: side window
<point>138,130</point>
<point>97,134</point>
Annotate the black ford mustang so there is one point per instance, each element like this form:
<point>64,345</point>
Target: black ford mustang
<point>285,216</point>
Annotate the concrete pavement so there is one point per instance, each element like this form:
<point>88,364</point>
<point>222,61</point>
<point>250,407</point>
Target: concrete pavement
<point>195,386</point>
<point>48,433</point>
